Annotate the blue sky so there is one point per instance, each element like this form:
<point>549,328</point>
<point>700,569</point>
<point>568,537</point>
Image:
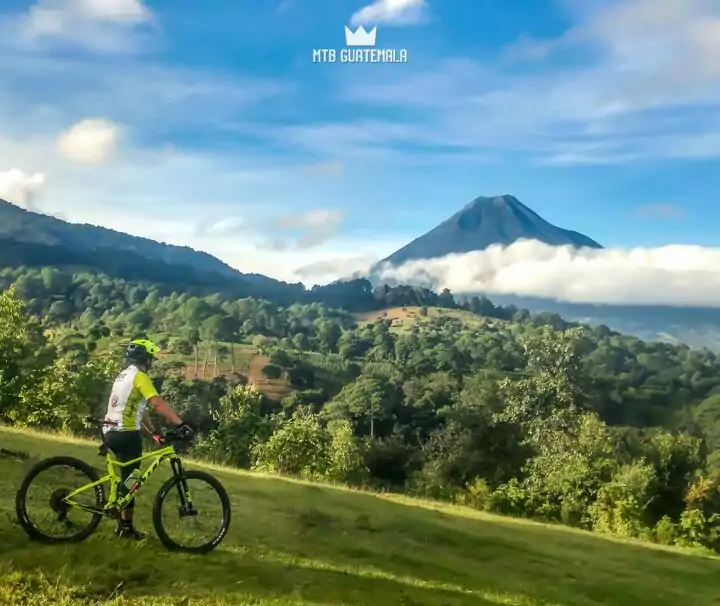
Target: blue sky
<point>208,124</point>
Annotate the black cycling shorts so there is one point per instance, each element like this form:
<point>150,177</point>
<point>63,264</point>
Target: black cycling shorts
<point>125,446</point>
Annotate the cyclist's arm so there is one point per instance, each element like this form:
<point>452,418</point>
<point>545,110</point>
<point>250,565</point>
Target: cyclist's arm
<point>164,409</point>
<point>148,391</point>
<point>147,422</point>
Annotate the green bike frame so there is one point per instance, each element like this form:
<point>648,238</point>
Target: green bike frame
<point>113,477</point>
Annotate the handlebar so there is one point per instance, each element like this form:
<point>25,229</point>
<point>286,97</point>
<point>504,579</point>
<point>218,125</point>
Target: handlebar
<point>167,436</point>
<point>173,435</point>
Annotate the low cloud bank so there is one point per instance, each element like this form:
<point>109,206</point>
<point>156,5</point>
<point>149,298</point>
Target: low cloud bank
<point>669,275</point>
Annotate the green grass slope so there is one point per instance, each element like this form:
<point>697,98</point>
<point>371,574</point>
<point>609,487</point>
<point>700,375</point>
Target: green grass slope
<point>299,543</point>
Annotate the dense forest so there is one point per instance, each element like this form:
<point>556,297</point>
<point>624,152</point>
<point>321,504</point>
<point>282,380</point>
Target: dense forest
<point>489,406</point>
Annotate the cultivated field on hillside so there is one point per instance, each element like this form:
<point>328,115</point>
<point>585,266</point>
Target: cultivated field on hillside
<point>299,543</point>
<point>404,317</point>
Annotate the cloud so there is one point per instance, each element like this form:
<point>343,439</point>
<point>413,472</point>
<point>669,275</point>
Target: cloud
<point>662,211</point>
<point>668,275</point>
<point>20,188</point>
<point>305,229</point>
<point>329,270</point>
<point>90,141</point>
<point>119,11</point>
<point>391,12</point>
<point>644,82</point>
<point>145,95</point>
<point>325,169</point>
<point>99,25</point>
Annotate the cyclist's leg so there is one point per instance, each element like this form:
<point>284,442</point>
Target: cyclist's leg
<point>126,445</point>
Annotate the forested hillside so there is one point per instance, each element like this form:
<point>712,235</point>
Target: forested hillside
<point>33,233</point>
<point>464,401</point>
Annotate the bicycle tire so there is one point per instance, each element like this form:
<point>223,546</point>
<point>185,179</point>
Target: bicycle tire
<point>21,495</point>
<point>163,492</point>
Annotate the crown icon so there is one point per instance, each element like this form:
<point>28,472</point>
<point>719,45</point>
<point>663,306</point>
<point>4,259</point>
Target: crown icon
<point>360,37</point>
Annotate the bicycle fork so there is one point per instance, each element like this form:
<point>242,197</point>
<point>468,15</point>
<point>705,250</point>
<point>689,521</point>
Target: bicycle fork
<point>185,498</point>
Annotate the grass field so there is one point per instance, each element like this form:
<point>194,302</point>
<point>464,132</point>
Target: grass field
<point>298,543</point>
<point>403,318</point>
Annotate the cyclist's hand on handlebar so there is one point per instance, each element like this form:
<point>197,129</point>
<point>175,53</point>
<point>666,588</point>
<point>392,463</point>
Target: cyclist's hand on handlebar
<point>157,438</point>
<point>185,431</point>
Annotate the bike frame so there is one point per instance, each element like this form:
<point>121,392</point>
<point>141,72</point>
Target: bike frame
<point>114,478</point>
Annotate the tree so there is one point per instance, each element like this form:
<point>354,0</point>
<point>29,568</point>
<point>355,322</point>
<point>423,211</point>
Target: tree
<point>280,357</point>
<point>21,351</point>
<point>271,371</point>
<point>367,399</point>
<point>240,427</point>
<point>63,395</point>
<point>193,337</point>
<point>551,395</point>
<point>180,346</point>
<point>299,447</point>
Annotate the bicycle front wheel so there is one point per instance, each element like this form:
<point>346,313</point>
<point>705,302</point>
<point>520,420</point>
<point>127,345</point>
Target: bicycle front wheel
<point>191,512</point>
<point>41,506</point>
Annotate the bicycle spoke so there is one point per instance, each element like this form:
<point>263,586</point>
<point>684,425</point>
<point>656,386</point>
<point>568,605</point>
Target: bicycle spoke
<point>196,526</point>
<point>47,509</point>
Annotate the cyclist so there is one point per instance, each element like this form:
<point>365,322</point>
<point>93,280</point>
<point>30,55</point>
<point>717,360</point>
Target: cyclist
<point>131,392</point>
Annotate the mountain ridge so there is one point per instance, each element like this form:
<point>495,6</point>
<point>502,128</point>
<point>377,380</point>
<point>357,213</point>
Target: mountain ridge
<point>482,222</point>
<point>29,227</point>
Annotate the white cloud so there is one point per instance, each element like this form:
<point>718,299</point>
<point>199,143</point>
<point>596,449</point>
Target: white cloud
<point>99,25</point>
<point>391,12</point>
<point>90,141</point>
<point>20,188</point>
<point>120,11</point>
<point>668,275</point>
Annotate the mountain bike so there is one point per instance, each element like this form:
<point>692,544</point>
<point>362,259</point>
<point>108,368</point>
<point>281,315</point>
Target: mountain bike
<point>65,503</point>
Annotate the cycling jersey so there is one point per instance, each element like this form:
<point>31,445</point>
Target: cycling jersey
<point>128,400</point>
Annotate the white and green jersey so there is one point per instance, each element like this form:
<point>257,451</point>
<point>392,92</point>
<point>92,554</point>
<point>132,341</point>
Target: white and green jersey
<point>128,400</point>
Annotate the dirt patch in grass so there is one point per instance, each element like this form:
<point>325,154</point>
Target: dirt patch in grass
<point>273,389</point>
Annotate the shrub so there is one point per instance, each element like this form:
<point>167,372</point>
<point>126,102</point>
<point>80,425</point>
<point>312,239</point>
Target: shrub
<point>345,453</point>
<point>512,498</point>
<point>271,371</point>
<point>698,530</point>
<point>621,506</point>
<point>477,494</point>
<point>239,427</point>
<point>280,357</point>
<point>666,531</point>
<point>299,447</point>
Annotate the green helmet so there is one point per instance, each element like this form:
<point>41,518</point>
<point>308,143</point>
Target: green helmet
<point>141,351</point>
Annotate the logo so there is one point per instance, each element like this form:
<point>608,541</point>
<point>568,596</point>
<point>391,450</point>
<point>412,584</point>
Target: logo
<point>360,37</point>
<point>360,48</point>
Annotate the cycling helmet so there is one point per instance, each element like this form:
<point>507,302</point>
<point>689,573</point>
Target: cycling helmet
<point>141,351</point>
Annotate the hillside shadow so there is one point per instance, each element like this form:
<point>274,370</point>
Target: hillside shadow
<point>107,568</point>
<point>489,554</point>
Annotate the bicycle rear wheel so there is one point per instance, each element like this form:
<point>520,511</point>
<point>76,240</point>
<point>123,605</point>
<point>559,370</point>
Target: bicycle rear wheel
<point>45,486</point>
<point>203,522</point>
